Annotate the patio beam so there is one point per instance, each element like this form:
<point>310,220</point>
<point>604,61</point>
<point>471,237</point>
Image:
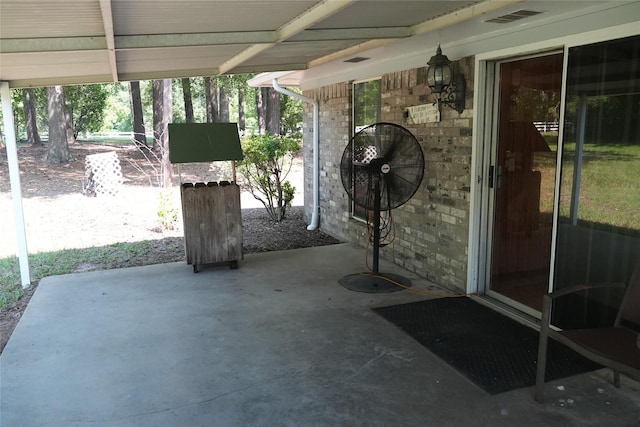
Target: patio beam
<point>14,177</point>
<point>194,39</point>
<point>351,34</point>
<point>291,66</point>
<point>169,74</point>
<point>107,20</point>
<point>59,81</point>
<point>307,19</point>
<point>52,44</point>
<point>254,37</point>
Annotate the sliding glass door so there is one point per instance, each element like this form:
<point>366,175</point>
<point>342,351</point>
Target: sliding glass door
<point>562,198</point>
<point>598,237</point>
<point>522,177</point>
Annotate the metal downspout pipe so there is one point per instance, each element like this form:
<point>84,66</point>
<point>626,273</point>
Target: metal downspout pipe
<point>315,216</point>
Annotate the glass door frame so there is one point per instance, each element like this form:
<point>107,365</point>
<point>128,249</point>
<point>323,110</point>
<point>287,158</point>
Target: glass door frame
<point>483,128</point>
<point>492,156</point>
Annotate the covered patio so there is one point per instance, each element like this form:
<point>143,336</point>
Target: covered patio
<point>276,342</point>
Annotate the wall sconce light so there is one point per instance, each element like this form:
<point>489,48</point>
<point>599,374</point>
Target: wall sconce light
<point>449,90</point>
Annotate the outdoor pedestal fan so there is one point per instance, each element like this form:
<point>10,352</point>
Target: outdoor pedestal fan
<point>381,169</point>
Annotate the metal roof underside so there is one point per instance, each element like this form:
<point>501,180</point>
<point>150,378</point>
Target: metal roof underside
<point>45,42</point>
<point>55,42</point>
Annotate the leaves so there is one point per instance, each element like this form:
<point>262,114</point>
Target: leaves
<point>87,104</point>
<point>267,162</point>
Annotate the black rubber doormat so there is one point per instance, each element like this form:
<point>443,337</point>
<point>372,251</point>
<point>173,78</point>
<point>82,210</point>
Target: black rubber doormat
<point>495,352</point>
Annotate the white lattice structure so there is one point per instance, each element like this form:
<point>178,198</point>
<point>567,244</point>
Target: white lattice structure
<point>103,175</point>
<point>370,153</point>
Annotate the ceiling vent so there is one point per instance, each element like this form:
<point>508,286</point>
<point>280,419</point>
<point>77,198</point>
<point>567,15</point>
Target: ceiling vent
<point>514,16</point>
<point>356,59</point>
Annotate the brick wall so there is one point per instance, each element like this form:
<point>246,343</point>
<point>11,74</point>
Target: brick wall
<point>432,228</point>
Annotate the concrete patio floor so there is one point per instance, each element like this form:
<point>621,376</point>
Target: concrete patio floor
<point>277,342</point>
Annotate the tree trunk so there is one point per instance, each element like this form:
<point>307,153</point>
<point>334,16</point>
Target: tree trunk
<point>135,99</point>
<point>58,144</point>
<point>241,110</point>
<point>70,131</point>
<point>188,102</point>
<point>273,112</point>
<point>215,102</point>
<point>268,109</point>
<point>207,100</point>
<point>167,114</point>
<point>211,97</point>
<point>30,117</point>
<point>224,105</point>
<point>261,109</point>
<point>157,114</point>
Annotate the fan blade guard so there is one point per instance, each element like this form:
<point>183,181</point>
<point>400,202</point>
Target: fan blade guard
<point>387,153</point>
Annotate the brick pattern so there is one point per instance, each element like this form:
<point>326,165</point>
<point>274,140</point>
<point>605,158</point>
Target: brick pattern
<point>432,228</point>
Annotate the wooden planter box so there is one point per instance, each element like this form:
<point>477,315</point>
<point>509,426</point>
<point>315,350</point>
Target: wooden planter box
<point>212,223</point>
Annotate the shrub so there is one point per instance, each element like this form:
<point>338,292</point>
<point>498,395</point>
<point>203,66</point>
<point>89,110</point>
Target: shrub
<point>267,162</point>
<point>168,212</point>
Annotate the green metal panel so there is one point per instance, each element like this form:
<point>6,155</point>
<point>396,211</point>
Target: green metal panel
<point>203,142</point>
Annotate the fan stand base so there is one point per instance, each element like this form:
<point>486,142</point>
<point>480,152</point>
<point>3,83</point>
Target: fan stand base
<point>374,282</point>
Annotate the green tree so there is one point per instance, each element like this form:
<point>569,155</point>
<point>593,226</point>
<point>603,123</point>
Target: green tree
<point>267,162</point>
<point>86,104</point>
<point>30,117</point>
<point>189,100</point>
<point>291,115</point>
<point>18,112</point>
<point>535,105</point>
<point>42,112</point>
<point>237,83</point>
<point>366,108</point>
<point>117,112</point>
<point>35,100</point>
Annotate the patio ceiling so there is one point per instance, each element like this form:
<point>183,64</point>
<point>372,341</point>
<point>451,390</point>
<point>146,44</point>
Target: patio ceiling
<point>45,42</point>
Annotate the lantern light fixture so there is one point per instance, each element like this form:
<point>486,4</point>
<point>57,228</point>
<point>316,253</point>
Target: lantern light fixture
<point>447,88</point>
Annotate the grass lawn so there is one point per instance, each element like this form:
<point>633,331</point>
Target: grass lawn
<point>111,139</point>
<point>43,264</point>
<point>610,190</point>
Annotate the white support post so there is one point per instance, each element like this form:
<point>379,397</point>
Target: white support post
<point>14,177</point>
